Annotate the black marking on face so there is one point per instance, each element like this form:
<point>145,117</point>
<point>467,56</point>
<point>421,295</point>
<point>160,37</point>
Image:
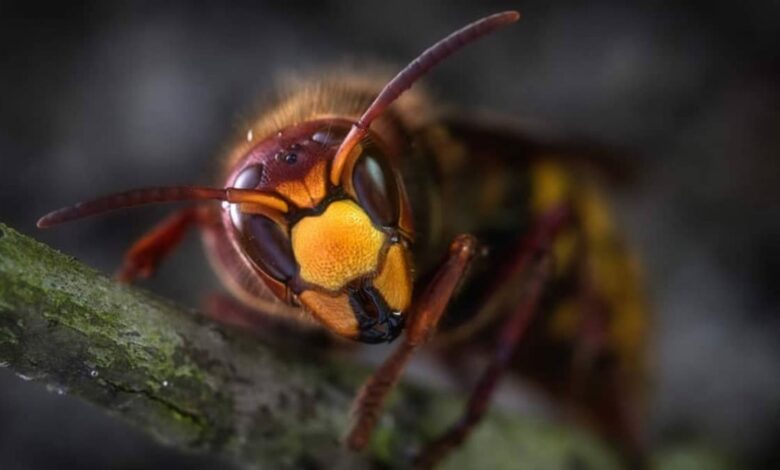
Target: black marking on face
<point>376,321</point>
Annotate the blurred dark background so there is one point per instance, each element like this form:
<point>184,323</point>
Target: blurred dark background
<point>103,96</point>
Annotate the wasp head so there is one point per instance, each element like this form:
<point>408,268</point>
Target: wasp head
<point>340,250</point>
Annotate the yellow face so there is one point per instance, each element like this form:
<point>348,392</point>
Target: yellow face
<point>339,250</point>
<point>360,277</point>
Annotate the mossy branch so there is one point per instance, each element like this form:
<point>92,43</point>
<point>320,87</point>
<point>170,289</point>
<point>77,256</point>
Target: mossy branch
<point>199,387</point>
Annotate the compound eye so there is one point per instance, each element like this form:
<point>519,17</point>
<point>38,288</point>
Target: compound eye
<point>249,178</point>
<point>263,240</point>
<point>267,246</point>
<point>375,187</point>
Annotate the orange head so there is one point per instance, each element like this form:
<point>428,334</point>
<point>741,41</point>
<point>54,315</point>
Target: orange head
<point>339,250</point>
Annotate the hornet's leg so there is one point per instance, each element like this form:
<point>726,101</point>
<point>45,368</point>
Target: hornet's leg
<point>142,259</point>
<point>534,259</point>
<point>616,409</point>
<point>223,309</point>
<point>591,341</point>
<point>271,328</point>
<point>424,316</point>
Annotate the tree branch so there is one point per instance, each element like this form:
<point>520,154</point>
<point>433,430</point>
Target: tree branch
<point>196,386</point>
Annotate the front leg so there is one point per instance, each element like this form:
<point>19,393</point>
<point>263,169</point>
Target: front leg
<point>425,315</point>
<point>143,258</point>
<point>534,261</point>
